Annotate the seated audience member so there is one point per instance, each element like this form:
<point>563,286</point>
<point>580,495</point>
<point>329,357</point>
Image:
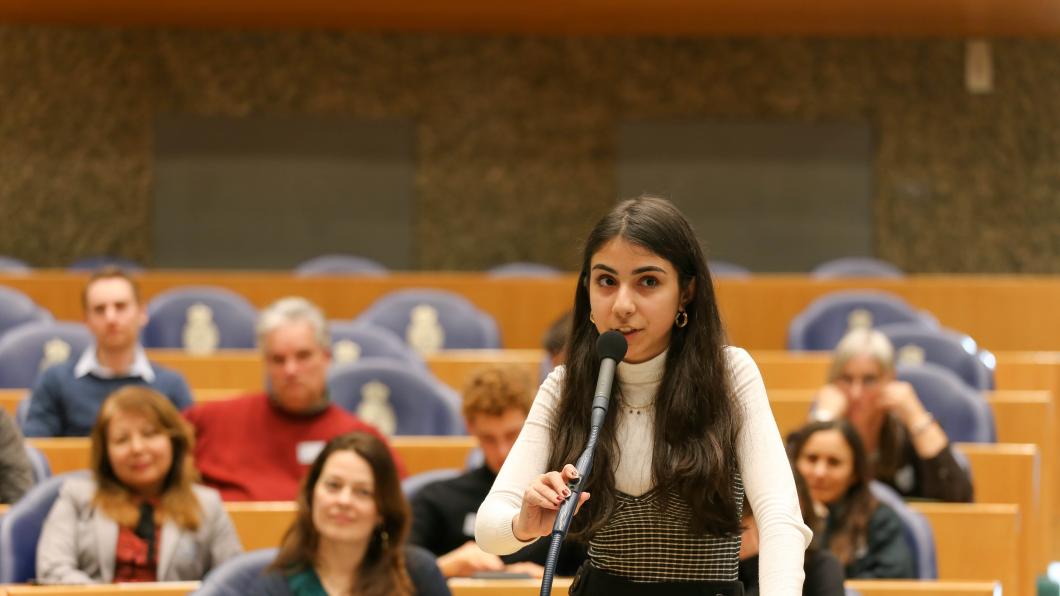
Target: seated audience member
<point>907,449</point>
<point>555,340</point>
<point>67,396</point>
<point>496,402</point>
<point>824,574</point>
<point>257,447</point>
<point>864,534</point>
<point>349,533</point>
<point>16,474</point>
<point>140,517</point>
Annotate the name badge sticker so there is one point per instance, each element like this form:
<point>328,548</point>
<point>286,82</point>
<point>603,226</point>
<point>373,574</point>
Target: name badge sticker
<point>307,451</point>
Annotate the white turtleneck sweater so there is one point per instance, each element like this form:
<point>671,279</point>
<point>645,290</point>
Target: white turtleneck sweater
<point>767,478</point>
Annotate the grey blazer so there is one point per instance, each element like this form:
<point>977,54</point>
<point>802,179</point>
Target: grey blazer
<point>78,542</point>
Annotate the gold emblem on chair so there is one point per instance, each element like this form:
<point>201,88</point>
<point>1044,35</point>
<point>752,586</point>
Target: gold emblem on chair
<point>55,351</point>
<point>859,318</point>
<point>911,354</point>
<point>375,408</point>
<point>345,351</point>
<point>201,336</point>
<point>425,333</point>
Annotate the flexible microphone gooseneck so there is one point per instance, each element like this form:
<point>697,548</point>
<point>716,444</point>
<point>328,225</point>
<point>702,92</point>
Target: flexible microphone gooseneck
<point>610,348</point>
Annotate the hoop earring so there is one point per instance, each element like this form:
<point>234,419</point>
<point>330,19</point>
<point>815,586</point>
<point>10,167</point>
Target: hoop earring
<point>681,319</point>
<point>384,540</point>
<point>591,319</point>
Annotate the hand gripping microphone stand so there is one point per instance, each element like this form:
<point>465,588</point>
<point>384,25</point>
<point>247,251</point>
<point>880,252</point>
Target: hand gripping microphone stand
<point>611,348</point>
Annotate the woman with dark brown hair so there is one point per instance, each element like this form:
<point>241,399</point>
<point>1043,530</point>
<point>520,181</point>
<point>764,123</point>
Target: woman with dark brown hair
<point>140,517</point>
<point>348,538</point>
<point>864,534</point>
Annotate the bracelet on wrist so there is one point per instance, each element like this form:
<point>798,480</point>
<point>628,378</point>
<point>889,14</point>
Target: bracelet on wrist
<point>923,425</point>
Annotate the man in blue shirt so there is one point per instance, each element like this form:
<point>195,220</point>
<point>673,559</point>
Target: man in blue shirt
<point>67,396</point>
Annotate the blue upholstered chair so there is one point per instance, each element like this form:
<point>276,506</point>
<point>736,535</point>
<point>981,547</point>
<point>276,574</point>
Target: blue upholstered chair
<point>918,533</point>
<point>396,398</point>
<point>855,267</point>
<point>11,265</point>
<point>17,308</point>
<point>20,529</point>
<point>430,320</point>
<point>523,269</point>
<point>826,320</point>
<point>413,484</point>
<point>200,319</point>
<point>39,464</point>
<point>727,269</point>
<point>960,410</point>
<point>236,576</point>
<point>913,343</point>
<point>100,261</point>
<point>351,341</point>
<point>28,349</point>
<point>339,265</point>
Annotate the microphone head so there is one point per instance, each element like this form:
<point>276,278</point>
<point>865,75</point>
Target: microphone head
<point>611,344</point>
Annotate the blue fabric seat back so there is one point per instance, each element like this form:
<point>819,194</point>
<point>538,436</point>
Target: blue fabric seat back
<point>440,315</point>
<point>523,269</point>
<point>28,349</point>
<point>855,267</point>
<point>17,309</point>
<point>13,265</point>
<point>229,313</point>
<point>412,485</point>
<point>918,533</point>
<point>20,529</point>
<point>396,398</point>
<point>826,320</point>
<point>351,341</point>
<point>236,576</point>
<point>100,261</point>
<point>727,269</point>
<point>339,265</point>
<point>948,349</point>
<point>39,463</point>
<point>959,409</point>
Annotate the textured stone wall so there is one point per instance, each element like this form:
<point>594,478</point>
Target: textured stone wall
<point>516,136</point>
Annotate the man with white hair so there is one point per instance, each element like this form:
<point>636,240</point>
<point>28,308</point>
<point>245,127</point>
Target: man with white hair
<point>258,447</point>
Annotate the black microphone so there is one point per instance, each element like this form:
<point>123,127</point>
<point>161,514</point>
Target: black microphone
<point>610,348</point>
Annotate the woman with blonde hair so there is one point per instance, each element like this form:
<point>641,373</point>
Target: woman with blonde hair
<point>907,448</point>
<point>140,516</point>
<point>349,534</point>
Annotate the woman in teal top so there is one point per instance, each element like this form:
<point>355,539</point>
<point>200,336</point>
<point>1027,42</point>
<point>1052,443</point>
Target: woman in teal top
<point>348,538</point>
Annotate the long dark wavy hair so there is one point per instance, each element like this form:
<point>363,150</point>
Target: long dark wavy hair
<point>697,418</point>
<point>849,516</point>
<point>382,571</point>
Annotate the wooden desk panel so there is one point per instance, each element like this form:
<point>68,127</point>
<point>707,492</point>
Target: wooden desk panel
<point>261,524</point>
<point>974,541</point>
<point>1000,312</point>
<point>132,589</point>
<point>888,587</point>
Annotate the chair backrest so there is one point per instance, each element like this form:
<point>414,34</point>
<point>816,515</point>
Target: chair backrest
<point>413,484</point>
<point>13,265</point>
<point>337,264</point>
<point>960,410</point>
<point>397,399</point>
<point>20,529</point>
<point>351,341</point>
<point>918,533</point>
<point>727,269</point>
<point>199,320</point>
<point>236,576</point>
<point>523,269</point>
<point>855,267</point>
<point>826,320</point>
<point>17,309</point>
<point>100,261</point>
<point>39,464</point>
<point>915,344</point>
<point>28,349</point>
<point>432,320</point>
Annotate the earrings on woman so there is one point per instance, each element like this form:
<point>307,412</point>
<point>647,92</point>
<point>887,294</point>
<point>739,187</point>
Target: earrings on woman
<point>384,539</point>
<point>681,319</point>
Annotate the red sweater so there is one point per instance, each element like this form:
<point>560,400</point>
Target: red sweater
<point>250,450</point>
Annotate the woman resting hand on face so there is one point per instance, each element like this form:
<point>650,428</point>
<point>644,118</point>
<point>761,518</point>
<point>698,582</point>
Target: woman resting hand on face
<point>907,449</point>
<point>865,535</point>
<point>140,517</point>
<point>688,430</point>
<point>348,538</point>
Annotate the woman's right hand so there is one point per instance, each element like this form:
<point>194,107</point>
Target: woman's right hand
<point>541,503</point>
<point>831,403</point>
